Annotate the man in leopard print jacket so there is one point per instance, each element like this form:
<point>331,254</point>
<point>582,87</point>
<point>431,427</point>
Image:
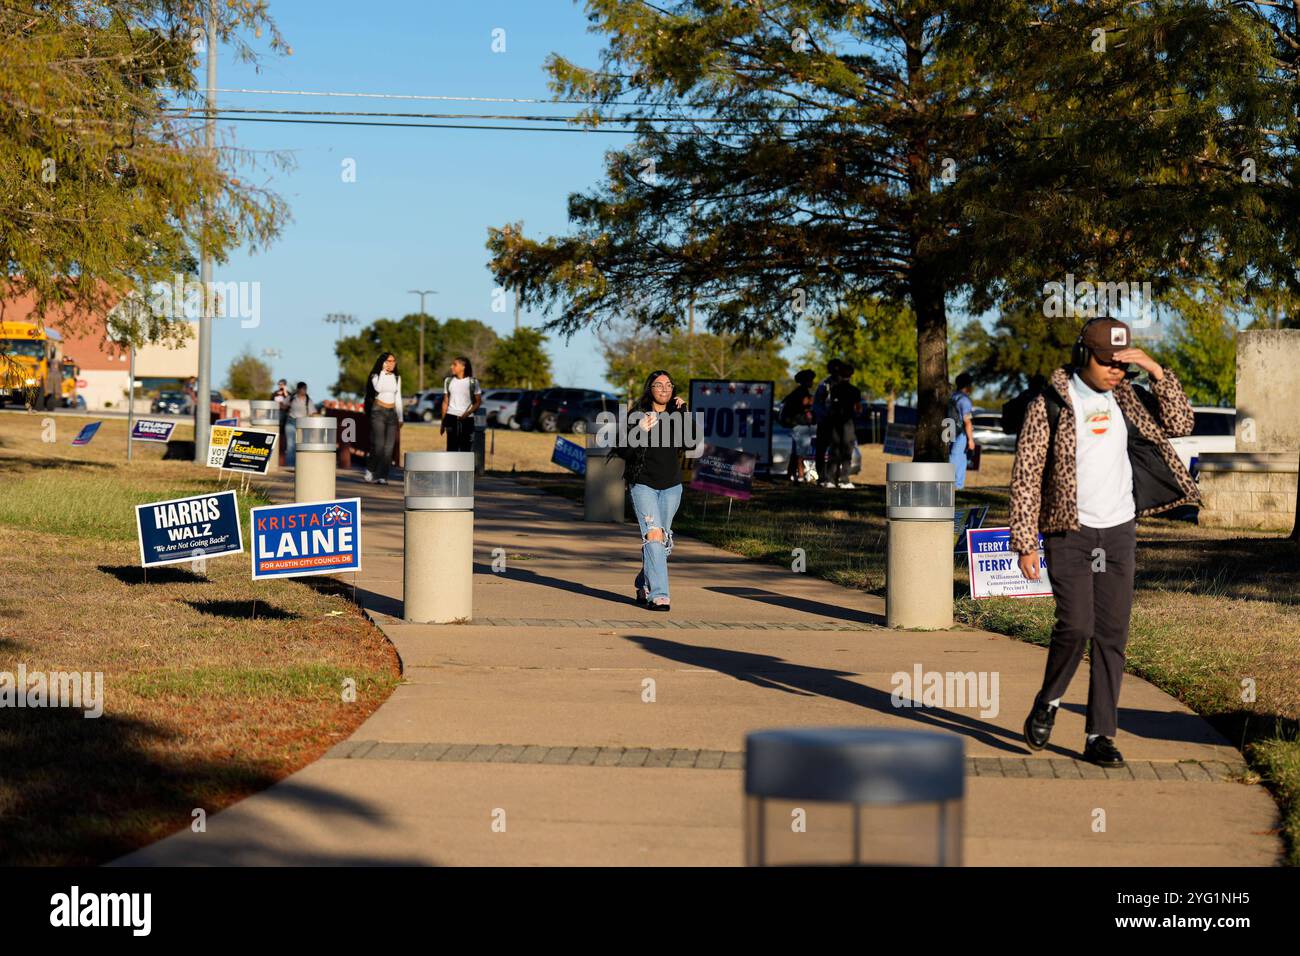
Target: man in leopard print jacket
<point>1083,484</point>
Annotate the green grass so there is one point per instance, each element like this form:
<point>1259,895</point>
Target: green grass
<point>302,682</point>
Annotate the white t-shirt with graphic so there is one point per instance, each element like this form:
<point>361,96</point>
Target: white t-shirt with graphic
<point>1105,475</point>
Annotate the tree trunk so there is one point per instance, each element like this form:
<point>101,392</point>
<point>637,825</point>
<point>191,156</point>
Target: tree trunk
<point>931,368</point>
<point>1295,526</point>
<point>890,401</point>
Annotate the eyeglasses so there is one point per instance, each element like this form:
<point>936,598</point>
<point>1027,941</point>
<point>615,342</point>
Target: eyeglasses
<point>1122,366</point>
<point>668,385</point>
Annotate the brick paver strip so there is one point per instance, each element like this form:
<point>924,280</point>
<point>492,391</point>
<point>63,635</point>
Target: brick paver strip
<point>1040,768</point>
<point>634,757</point>
<point>558,755</point>
<point>709,760</point>
<point>507,754</point>
<point>432,751</point>
<point>660,758</point>
<point>1065,768</point>
<point>684,759</point>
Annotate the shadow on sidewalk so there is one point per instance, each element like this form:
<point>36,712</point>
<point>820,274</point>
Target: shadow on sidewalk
<point>819,608</point>
<point>1163,725</point>
<point>562,584</point>
<point>773,673</point>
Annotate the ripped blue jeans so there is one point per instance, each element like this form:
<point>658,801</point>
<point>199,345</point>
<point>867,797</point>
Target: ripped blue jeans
<point>655,508</point>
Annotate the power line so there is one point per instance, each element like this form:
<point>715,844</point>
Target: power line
<point>422,96</point>
<point>338,122</point>
<point>483,116</point>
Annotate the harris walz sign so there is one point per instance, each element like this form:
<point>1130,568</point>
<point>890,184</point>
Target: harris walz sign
<point>185,529</point>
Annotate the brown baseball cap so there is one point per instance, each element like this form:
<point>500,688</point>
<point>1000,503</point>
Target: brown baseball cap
<point>1105,337</point>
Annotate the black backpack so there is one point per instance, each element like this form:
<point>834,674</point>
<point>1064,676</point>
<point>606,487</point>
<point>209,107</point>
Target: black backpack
<point>1013,412</point>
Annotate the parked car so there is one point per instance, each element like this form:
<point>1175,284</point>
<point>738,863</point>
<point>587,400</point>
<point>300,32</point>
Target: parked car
<point>172,403</point>
<point>216,406</point>
<point>582,417</point>
<point>989,434</point>
<point>556,405</point>
<point>426,407</point>
<point>783,443</point>
<point>500,405</point>
<point>1215,430</point>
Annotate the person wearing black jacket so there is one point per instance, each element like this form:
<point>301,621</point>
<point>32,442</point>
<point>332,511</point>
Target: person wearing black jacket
<point>653,472</point>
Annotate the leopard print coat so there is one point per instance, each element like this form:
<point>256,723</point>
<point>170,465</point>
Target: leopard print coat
<point>1050,503</point>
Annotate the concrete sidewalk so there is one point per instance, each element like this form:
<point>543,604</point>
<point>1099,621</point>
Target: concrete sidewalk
<point>534,715</point>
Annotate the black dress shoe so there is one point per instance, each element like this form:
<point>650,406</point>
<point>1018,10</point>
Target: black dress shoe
<point>659,607</point>
<point>1102,752</point>
<point>1038,726</point>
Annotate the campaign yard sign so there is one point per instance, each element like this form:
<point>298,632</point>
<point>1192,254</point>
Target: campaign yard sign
<point>249,451</point>
<point>86,434</point>
<point>724,471</point>
<point>226,421</point>
<point>900,440</point>
<point>737,415</point>
<point>570,455</point>
<point>323,537</point>
<point>995,568</point>
<point>218,439</point>
<point>184,529</point>
<point>146,429</point>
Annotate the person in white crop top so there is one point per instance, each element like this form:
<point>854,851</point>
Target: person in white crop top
<point>383,408</point>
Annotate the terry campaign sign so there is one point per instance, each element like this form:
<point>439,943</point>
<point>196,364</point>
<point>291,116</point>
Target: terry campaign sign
<point>148,430</point>
<point>184,529</point>
<point>318,538</point>
<point>995,568</point>
<point>737,415</point>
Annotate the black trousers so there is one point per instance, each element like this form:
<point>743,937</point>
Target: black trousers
<point>1092,580</point>
<point>383,434</point>
<point>460,432</point>
<point>840,453</point>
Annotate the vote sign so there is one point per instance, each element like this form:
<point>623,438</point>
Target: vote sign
<point>185,529</point>
<point>737,415</point>
<point>323,537</point>
<point>149,430</point>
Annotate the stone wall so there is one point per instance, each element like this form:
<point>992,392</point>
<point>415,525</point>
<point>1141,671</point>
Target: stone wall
<point>1248,491</point>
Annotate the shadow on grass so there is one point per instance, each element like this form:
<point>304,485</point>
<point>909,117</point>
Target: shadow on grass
<point>1259,569</point>
<point>86,791</point>
<point>168,574</point>
<point>243,610</point>
<point>774,673</point>
<point>63,464</point>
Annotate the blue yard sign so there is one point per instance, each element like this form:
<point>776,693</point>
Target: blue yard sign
<point>186,529</point>
<point>147,429</point>
<point>570,455</point>
<point>323,537</point>
<point>995,568</point>
<point>86,434</point>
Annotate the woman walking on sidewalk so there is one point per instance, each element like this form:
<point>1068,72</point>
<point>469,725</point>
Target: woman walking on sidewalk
<point>461,397</point>
<point>653,472</point>
<point>299,406</point>
<point>383,409</point>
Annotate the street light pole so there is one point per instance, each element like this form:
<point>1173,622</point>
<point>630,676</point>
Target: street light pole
<point>202,412</point>
<point>422,293</point>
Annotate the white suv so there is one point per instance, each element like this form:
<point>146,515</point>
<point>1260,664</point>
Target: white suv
<point>1214,431</point>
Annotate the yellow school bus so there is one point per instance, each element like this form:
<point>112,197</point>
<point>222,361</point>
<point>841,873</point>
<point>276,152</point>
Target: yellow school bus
<point>31,365</point>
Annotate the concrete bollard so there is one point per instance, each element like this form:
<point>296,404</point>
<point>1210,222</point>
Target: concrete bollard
<point>919,562</point>
<point>313,477</point>
<point>604,494</point>
<point>438,569</point>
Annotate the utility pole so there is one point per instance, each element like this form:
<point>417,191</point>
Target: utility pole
<point>203,409</point>
<point>516,309</point>
<point>422,293</point>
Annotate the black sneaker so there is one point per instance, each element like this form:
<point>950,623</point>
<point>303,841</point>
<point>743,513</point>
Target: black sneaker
<point>1102,752</point>
<point>1038,726</point>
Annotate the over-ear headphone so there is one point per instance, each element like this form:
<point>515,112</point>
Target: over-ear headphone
<point>1079,353</point>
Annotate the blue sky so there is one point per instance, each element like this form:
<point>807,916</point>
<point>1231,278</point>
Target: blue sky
<point>417,215</point>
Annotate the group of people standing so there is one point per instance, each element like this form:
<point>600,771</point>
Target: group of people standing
<point>821,423</point>
<point>293,406</point>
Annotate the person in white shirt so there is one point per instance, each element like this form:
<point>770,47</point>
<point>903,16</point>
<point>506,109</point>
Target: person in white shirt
<point>461,397</point>
<point>383,409</point>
